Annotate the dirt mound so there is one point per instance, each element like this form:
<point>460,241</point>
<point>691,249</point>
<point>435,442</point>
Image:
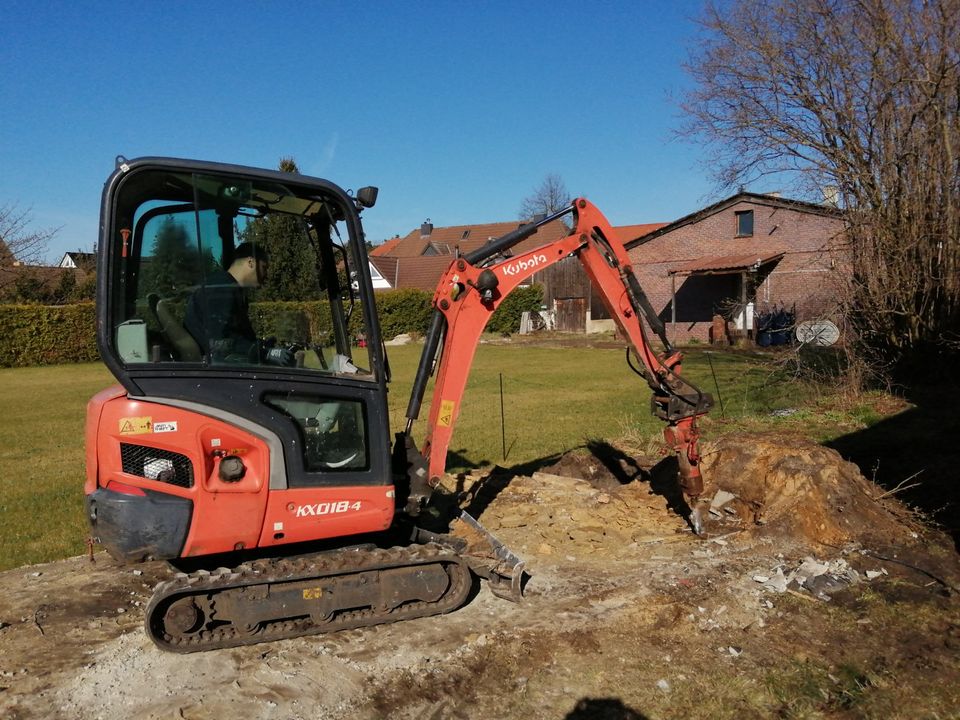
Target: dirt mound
<point>549,515</point>
<point>795,487</point>
<point>604,466</point>
<point>775,486</point>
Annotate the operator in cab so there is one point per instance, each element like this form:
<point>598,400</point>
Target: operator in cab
<point>218,312</point>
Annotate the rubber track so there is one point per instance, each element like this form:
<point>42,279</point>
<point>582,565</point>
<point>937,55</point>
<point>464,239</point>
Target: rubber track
<point>271,571</point>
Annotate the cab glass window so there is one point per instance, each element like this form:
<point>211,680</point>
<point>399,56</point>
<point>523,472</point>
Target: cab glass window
<point>333,431</point>
<point>223,272</point>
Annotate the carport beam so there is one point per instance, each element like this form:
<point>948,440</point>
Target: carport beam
<point>673,300</point>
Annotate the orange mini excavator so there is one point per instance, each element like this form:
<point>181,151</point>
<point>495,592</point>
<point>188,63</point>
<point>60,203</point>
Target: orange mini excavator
<point>248,442</point>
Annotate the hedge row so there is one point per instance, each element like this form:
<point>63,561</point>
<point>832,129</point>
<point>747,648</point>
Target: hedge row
<point>507,317</point>
<point>400,311</point>
<point>47,335</point>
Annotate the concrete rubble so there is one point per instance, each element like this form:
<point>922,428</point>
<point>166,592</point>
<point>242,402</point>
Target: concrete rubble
<point>819,578</point>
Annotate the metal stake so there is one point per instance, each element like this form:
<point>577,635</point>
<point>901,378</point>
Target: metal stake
<point>503,427</point>
<point>715,383</point>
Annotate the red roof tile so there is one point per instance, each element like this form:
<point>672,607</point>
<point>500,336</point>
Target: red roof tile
<point>386,266</point>
<point>445,240</point>
<point>48,277</point>
<point>404,264</point>
<point>629,233</point>
<point>384,248</point>
<point>408,272</point>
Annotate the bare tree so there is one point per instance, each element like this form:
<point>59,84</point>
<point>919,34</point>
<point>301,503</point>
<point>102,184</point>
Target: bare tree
<point>859,99</point>
<point>549,197</point>
<point>18,243</point>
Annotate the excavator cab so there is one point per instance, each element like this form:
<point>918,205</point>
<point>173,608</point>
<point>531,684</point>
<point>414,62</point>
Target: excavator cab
<point>228,306</point>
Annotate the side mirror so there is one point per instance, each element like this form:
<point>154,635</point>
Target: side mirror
<point>367,196</point>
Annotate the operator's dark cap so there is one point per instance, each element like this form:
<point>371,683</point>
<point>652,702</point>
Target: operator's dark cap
<point>251,250</point>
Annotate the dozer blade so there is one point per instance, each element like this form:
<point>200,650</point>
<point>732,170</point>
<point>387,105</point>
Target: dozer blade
<point>489,558</point>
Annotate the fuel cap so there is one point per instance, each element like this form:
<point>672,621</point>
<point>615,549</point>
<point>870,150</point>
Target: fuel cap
<point>232,469</point>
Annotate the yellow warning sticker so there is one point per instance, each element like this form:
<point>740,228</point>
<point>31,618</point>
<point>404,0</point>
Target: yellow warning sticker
<point>312,593</point>
<point>445,419</point>
<point>136,425</point>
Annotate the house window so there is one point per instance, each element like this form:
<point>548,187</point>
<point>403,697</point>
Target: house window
<point>744,223</point>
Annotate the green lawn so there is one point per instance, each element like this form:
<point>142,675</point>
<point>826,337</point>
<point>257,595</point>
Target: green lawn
<point>555,399</point>
<point>42,460</point>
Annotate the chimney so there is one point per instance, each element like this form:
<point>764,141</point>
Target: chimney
<point>426,229</point>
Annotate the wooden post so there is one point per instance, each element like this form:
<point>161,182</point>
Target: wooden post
<point>673,303</point>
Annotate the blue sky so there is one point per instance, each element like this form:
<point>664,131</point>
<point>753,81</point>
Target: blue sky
<point>456,110</point>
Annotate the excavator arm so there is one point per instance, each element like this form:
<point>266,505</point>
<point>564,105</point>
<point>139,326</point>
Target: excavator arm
<point>475,285</point>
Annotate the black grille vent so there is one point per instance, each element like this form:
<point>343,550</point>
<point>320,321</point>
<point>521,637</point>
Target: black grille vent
<point>155,464</point>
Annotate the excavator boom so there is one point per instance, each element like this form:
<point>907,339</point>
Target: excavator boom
<point>475,285</point>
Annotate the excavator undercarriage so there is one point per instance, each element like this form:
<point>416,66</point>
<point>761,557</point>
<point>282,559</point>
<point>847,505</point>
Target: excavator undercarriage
<point>288,597</point>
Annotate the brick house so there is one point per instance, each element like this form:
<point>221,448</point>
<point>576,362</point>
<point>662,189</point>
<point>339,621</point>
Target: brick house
<point>741,258</point>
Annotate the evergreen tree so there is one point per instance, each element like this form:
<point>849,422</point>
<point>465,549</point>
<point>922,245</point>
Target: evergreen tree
<point>293,261</point>
<point>175,264</point>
